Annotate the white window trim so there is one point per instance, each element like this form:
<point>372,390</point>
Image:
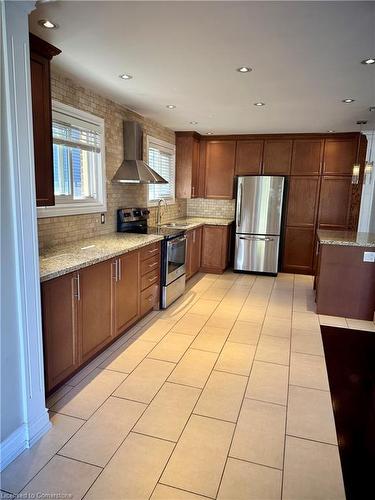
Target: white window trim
<point>172,148</point>
<point>79,207</point>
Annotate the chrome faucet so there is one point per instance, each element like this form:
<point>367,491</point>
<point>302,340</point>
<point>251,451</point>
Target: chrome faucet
<point>159,214</point>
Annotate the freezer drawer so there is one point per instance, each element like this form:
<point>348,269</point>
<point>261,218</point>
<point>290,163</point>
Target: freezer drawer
<point>256,253</point>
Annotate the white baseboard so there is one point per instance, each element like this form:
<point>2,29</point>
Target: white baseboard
<point>13,446</point>
<point>23,437</point>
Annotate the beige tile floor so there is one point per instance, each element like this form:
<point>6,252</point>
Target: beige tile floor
<point>224,395</point>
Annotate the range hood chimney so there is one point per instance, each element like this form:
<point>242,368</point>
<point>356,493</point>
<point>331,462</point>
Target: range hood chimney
<point>133,170</point>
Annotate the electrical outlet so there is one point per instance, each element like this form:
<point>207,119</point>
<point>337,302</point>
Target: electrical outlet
<point>368,256</point>
<point>102,218</point>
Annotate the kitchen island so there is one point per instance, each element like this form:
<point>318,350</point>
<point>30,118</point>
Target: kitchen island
<point>345,276</point>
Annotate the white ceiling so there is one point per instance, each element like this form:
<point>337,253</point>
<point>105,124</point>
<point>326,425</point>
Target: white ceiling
<point>305,58</point>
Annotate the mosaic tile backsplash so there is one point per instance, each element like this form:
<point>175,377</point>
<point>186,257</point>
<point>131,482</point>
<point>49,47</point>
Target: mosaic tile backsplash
<point>200,207</point>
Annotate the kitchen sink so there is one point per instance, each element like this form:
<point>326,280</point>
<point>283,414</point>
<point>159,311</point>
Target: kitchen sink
<point>175,224</point>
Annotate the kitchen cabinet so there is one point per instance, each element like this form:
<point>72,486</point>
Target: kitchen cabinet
<point>339,156</point>
<point>335,200</point>
<point>95,307</point>
<point>303,199</point>
<point>126,290</point>
<point>249,157</point>
<point>277,157</point>
<point>307,156</point>
<point>41,54</point>
<point>193,251</point>
<point>83,312</point>
<point>215,248</point>
<point>220,161</point>
<point>60,334</point>
<point>188,183</point>
<point>299,250</point>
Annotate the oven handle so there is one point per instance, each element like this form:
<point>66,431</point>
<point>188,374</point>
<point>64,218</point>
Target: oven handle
<point>175,241</point>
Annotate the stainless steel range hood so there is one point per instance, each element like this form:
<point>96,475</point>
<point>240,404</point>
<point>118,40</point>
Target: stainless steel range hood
<point>133,169</point>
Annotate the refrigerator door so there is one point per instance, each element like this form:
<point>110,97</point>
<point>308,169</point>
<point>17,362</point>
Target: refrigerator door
<point>259,204</point>
<point>256,253</point>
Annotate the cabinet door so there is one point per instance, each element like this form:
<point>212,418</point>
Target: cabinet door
<point>127,291</point>
<point>335,198</point>
<point>220,157</point>
<point>195,187</point>
<point>307,156</point>
<point>189,254</point>
<point>249,157</point>
<point>214,248</point>
<point>95,308</point>
<point>339,156</point>
<point>59,329</point>
<point>299,250</point>
<point>302,200</point>
<point>277,157</point>
<point>42,129</point>
<point>197,249</point>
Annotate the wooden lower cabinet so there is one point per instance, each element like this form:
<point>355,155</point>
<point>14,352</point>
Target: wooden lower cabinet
<point>299,250</point>
<point>85,311</point>
<point>95,308</point>
<point>59,311</point>
<point>215,248</point>
<point>193,251</point>
<point>126,288</point>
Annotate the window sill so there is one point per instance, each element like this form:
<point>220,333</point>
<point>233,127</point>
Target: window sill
<point>154,203</point>
<point>61,210</point>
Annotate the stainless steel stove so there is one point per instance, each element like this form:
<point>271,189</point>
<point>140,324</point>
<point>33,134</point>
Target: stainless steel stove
<point>173,251</point>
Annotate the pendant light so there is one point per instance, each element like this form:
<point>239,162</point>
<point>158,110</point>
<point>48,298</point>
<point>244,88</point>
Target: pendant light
<point>369,165</point>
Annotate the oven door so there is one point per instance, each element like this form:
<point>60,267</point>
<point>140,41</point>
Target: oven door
<point>175,259</point>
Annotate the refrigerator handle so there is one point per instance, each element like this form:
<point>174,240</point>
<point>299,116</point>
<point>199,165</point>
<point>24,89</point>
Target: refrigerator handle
<point>239,205</point>
<point>256,238</point>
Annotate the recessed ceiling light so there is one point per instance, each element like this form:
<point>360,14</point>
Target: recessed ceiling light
<point>259,103</point>
<point>45,23</point>
<point>348,101</point>
<point>209,133</point>
<point>330,131</point>
<point>244,69</point>
<point>370,60</point>
<point>170,106</point>
<point>125,76</point>
<point>194,123</point>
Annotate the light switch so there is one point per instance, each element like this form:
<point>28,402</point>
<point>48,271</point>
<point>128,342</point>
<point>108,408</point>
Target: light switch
<point>368,256</point>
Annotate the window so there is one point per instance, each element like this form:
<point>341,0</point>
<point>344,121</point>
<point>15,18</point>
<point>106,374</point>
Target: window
<point>161,158</point>
<point>78,162</point>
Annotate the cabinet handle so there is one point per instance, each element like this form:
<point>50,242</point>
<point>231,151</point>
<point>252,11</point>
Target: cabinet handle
<point>119,270</point>
<point>153,265</point>
<point>152,279</point>
<point>150,297</point>
<point>193,191</point>
<point>115,277</point>
<point>153,251</point>
<point>194,236</point>
<point>78,294</point>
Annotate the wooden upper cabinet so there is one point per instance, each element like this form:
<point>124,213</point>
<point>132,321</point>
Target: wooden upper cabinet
<point>303,199</point>
<point>335,200</point>
<point>307,156</point>
<point>126,298</point>
<point>249,157</point>
<point>60,338</point>
<point>340,156</point>
<point>277,157</point>
<point>95,307</point>
<point>220,158</point>
<point>188,183</point>
<point>41,54</point>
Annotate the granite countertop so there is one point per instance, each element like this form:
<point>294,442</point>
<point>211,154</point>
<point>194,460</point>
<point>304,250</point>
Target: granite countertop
<point>346,238</point>
<point>63,259</point>
<point>188,223</point>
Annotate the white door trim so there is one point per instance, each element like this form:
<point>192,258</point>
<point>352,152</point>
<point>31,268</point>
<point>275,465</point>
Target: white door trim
<point>22,228</point>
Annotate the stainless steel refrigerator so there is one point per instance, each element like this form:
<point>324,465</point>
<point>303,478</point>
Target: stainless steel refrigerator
<point>258,223</point>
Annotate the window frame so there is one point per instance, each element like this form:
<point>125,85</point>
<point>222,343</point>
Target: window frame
<point>78,207</point>
<point>171,147</point>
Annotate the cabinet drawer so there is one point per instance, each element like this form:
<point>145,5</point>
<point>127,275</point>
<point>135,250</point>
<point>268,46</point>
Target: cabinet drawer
<point>149,298</point>
<point>149,265</point>
<point>150,251</point>
<point>149,279</point>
